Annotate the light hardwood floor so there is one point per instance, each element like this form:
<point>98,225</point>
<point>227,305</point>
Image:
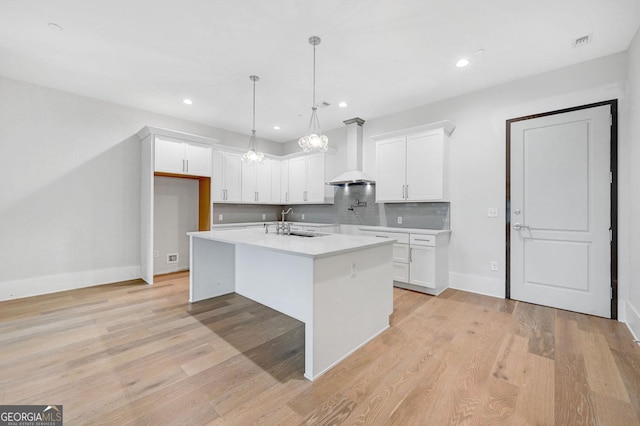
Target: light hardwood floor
<point>134,354</point>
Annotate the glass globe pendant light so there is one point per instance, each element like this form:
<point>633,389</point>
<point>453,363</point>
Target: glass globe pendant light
<point>314,140</point>
<point>253,155</point>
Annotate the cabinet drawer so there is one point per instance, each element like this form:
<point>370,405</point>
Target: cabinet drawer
<point>400,237</point>
<point>401,253</point>
<point>422,240</point>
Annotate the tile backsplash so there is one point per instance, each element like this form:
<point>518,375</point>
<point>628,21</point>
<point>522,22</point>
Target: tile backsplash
<point>346,211</point>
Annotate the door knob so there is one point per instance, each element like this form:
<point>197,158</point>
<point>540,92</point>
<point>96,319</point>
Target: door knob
<point>518,226</point>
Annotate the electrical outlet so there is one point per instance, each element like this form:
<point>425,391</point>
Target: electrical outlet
<point>302,216</point>
<point>264,216</point>
<point>219,217</point>
<point>492,212</point>
<point>399,220</point>
<point>494,265</point>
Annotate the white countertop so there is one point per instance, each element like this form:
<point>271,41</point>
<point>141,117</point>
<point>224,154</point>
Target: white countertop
<point>406,230</point>
<point>321,246</point>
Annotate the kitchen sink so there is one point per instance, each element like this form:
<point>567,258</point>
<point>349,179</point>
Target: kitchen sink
<point>307,234</point>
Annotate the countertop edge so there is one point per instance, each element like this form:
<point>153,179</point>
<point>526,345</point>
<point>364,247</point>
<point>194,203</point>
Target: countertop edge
<point>405,230</point>
<point>223,238</point>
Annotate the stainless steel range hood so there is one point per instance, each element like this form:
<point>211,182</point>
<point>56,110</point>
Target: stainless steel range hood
<point>354,173</point>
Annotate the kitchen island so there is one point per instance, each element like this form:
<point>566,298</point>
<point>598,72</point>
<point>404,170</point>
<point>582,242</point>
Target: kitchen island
<point>339,286</point>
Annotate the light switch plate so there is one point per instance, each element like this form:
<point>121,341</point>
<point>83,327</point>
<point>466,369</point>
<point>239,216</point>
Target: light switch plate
<point>219,217</point>
<point>399,220</point>
<point>302,216</point>
<point>492,212</point>
<point>264,216</point>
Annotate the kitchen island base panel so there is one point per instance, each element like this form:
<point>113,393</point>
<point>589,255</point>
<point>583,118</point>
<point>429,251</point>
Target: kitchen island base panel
<point>353,299</point>
<point>344,300</point>
<point>210,274</point>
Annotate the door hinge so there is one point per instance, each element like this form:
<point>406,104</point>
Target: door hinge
<point>610,119</point>
<point>610,235</point>
<point>611,293</point>
<point>610,177</point>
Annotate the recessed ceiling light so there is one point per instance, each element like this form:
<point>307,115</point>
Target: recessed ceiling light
<point>276,127</point>
<point>342,104</point>
<point>187,101</point>
<point>462,63</point>
<point>55,26</point>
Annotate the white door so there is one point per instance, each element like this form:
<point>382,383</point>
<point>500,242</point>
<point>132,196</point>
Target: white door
<point>560,211</point>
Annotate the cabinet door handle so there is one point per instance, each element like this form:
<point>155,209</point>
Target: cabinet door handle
<point>304,196</point>
<point>381,236</point>
<point>407,190</point>
<point>286,196</point>
<point>186,166</point>
<point>411,255</point>
<point>420,239</point>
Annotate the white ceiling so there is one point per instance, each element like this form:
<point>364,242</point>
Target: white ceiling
<point>380,56</point>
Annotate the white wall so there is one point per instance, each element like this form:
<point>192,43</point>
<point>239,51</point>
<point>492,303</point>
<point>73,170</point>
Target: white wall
<point>477,149</point>
<point>175,213</point>
<point>633,306</point>
<point>70,188</point>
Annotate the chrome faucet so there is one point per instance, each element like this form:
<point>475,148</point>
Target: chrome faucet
<point>285,227</point>
<point>284,214</point>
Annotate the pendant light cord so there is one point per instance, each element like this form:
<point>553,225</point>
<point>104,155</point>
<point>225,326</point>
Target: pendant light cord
<point>253,129</point>
<point>313,106</point>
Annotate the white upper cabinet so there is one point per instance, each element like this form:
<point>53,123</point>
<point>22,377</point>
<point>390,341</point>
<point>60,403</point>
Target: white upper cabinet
<point>284,181</point>
<point>307,180</point>
<point>184,158</point>
<point>392,175</point>
<point>227,177</point>
<point>256,182</point>
<point>276,179</point>
<point>198,159</point>
<point>299,179</point>
<point>412,164</point>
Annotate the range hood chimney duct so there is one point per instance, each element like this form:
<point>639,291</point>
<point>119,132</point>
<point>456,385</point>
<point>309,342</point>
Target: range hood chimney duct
<point>354,173</point>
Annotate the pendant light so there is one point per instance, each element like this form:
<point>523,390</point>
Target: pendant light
<point>314,139</point>
<point>253,155</point>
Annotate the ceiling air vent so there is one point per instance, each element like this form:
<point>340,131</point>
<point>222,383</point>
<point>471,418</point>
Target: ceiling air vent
<point>582,41</point>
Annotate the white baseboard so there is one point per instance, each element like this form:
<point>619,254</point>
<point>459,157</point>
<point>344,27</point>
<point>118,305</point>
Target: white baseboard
<point>54,283</point>
<point>633,320</point>
<point>476,284</point>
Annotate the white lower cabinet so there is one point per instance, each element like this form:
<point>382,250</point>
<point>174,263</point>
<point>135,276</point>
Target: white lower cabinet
<point>422,266</point>
<point>420,261</point>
